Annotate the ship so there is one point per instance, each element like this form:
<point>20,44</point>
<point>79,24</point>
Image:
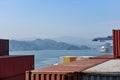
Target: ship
<point>107,47</point>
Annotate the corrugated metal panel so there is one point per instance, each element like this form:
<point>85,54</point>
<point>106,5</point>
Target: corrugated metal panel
<point>116,43</point>
<point>12,67</point>
<point>52,76</point>
<point>101,76</point>
<point>68,71</point>
<point>15,77</point>
<point>4,47</point>
<point>73,76</point>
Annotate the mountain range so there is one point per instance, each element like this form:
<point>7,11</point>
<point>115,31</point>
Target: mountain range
<point>43,44</point>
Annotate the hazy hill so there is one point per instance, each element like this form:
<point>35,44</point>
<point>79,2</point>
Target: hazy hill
<point>79,41</point>
<point>73,40</point>
<point>40,44</point>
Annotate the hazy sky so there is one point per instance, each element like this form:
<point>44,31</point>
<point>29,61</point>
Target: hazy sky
<point>57,18</point>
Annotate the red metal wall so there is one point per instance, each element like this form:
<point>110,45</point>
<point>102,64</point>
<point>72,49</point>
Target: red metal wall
<point>116,43</point>
<point>14,67</point>
<point>4,47</point>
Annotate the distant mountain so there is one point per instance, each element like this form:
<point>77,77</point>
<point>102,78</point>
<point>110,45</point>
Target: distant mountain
<point>40,44</point>
<point>78,41</point>
<point>73,40</point>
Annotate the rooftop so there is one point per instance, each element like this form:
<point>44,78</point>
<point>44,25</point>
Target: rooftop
<point>76,66</point>
<point>108,66</point>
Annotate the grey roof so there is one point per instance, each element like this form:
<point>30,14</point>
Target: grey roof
<point>108,66</point>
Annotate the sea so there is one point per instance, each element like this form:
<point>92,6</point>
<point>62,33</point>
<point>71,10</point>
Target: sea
<point>45,58</point>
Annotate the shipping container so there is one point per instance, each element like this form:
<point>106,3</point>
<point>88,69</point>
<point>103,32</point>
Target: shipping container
<point>14,67</point>
<point>4,47</point>
<point>112,65</point>
<point>67,59</point>
<point>109,70</point>
<point>101,76</point>
<point>67,71</point>
<point>116,43</point>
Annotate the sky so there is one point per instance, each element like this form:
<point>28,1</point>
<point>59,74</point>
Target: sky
<point>58,18</point>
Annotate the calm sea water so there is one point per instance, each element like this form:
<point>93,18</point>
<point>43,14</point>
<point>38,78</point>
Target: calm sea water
<point>44,58</point>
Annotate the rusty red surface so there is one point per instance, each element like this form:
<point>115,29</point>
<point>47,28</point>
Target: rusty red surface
<point>16,77</point>
<point>116,43</point>
<point>72,59</point>
<point>4,47</point>
<point>12,67</point>
<point>63,71</point>
<point>107,56</point>
<point>75,66</point>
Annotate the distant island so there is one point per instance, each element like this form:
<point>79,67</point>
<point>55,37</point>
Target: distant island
<point>43,44</point>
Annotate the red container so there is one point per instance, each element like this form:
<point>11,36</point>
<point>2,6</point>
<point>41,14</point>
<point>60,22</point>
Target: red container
<point>67,71</point>
<point>14,67</point>
<point>72,59</point>
<point>4,47</point>
<point>116,43</point>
